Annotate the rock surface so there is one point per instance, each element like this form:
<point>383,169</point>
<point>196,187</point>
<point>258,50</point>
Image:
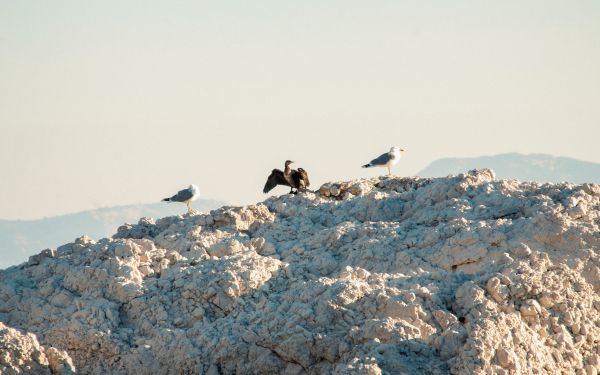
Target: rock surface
<point>461,275</point>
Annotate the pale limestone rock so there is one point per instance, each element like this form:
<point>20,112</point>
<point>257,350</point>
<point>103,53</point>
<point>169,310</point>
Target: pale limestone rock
<point>60,362</point>
<point>499,292</point>
<point>505,358</point>
<point>21,353</point>
<point>464,274</point>
<point>530,308</point>
<point>444,319</point>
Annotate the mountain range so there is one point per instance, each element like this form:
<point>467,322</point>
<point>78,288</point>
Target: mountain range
<point>531,167</point>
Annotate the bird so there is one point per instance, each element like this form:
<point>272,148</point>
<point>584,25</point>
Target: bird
<point>386,160</point>
<point>287,173</point>
<point>295,179</point>
<point>186,196</point>
<point>303,180</point>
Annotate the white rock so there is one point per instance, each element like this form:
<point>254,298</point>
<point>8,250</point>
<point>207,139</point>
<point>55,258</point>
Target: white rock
<point>504,358</point>
<point>464,274</point>
<point>530,308</point>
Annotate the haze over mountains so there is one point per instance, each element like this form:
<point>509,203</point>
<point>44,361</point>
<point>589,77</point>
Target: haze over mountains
<point>532,167</point>
<point>21,238</point>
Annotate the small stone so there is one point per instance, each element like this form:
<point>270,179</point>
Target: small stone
<point>335,190</point>
<point>324,190</point>
<point>530,308</point>
<point>521,250</point>
<point>546,301</point>
<point>48,253</point>
<point>124,250</point>
<point>504,358</point>
<point>579,287</point>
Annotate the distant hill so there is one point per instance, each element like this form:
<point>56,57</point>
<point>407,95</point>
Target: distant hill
<point>532,167</point>
<point>21,238</point>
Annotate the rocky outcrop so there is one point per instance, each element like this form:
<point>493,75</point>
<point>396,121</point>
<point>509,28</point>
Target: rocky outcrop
<point>22,353</point>
<point>462,275</point>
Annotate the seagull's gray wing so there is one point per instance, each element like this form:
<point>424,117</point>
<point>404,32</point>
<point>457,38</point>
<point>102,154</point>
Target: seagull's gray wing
<point>182,195</point>
<point>382,159</point>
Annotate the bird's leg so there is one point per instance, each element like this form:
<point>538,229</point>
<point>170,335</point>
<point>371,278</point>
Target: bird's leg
<point>191,210</point>
<point>389,171</point>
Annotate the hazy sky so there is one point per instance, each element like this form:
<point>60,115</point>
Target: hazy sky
<point>116,102</point>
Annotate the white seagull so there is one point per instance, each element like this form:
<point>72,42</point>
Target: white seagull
<point>386,160</point>
<point>186,196</point>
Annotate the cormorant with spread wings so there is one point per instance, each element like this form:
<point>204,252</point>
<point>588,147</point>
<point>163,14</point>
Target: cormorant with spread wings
<point>295,179</point>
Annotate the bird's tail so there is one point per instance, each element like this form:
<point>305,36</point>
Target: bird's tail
<point>166,200</point>
<point>367,165</point>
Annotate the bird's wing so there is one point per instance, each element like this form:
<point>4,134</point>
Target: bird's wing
<point>274,179</point>
<point>382,159</point>
<point>304,176</point>
<point>182,195</point>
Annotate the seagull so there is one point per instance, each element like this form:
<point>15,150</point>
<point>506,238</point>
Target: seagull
<point>186,196</point>
<point>386,160</point>
<point>295,179</point>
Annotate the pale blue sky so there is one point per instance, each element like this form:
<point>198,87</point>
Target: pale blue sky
<point>119,102</point>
